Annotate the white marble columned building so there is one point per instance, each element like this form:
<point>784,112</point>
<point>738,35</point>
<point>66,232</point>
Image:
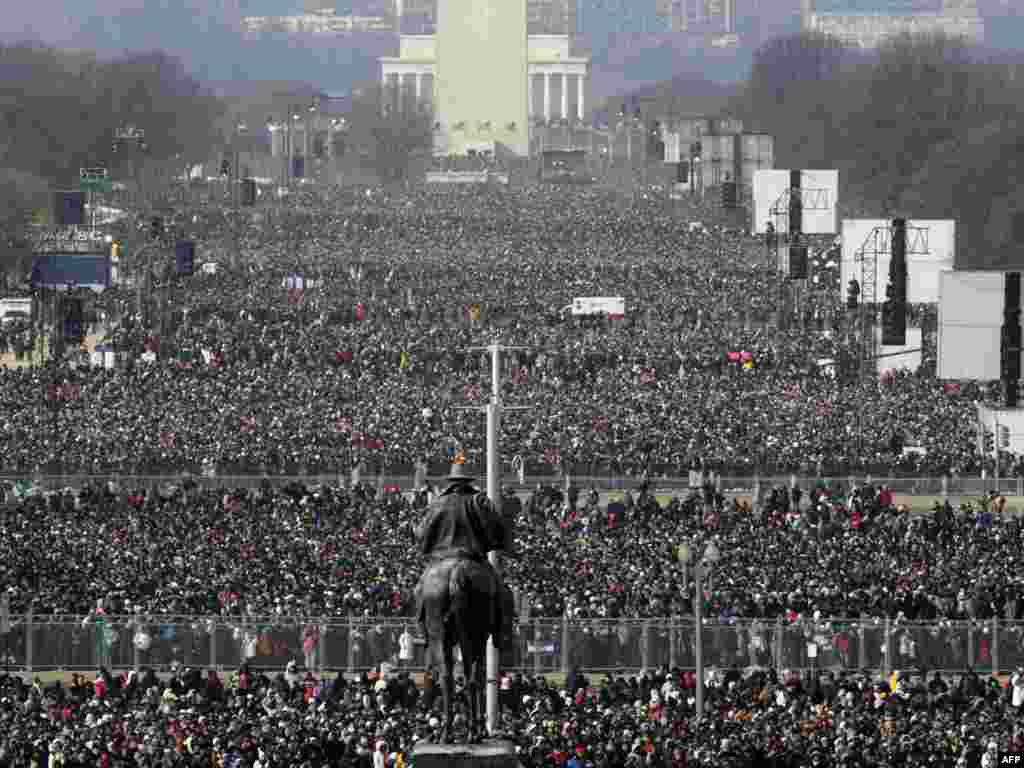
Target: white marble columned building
<point>556,80</point>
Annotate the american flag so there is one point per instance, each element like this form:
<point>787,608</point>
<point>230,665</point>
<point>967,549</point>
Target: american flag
<point>343,425</point>
<point>167,440</point>
<point>648,376</point>
<point>248,424</point>
<point>601,423</point>
<point>473,392</point>
<point>553,456</point>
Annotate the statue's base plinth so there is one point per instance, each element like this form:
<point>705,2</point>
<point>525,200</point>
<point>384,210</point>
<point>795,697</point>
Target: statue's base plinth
<point>490,754</point>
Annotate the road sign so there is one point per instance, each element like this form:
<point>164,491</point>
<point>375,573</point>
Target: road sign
<point>94,180</point>
<point>129,133</point>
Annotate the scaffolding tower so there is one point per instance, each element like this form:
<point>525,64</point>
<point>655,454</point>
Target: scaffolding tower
<point>808,199</point>
<point>878,243</point>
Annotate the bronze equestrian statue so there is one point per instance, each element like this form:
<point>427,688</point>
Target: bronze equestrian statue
<point>462,599</point>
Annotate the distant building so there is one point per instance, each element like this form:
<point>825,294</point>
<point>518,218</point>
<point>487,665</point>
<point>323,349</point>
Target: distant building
<point>868,23</point>
<point>700,15</point>
<point>555,85</point>
<point>553,81</point>
<point>321,22</point>
<point>543,17</point>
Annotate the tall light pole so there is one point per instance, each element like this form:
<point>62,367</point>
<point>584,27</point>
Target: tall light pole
<point>493,409</point>
<point>129,134</point>
<point>698,623</point>
<point>235,179</point>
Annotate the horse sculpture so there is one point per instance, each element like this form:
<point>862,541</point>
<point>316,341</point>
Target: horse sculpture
<point>461,599</point>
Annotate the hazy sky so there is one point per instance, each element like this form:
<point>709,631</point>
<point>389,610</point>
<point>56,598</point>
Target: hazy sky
<point>204,33</point>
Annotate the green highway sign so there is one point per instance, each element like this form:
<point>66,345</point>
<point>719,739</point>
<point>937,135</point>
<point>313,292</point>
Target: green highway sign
<point>96,185</point>
<point>94,180</point>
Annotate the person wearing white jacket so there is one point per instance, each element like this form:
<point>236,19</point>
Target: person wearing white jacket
<point>1017,688</point>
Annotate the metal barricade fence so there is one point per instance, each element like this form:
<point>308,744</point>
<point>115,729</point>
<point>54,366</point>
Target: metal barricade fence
<point>670,479</point>
<point>537,646</point>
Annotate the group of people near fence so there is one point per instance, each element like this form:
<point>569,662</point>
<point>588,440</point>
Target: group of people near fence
<point>298,550</point>
<point>343,328</point>
<point>294,719</point>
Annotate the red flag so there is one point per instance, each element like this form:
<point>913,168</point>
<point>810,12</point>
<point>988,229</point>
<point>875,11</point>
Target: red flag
<point>951,388</point>
<point>824,408</point>
<point>553,456</point>
<point>343,356</point>
<point>733,357</point>
<point>793,392</point>
<point>648,376</point>
<point>248,424</point>
<point>343,425</point>
<point>520,376</point>
<point>360,312</point>
<point>601,424</point>
<point>167,440</point>
<point>473,392</point>
<point>296,295</point>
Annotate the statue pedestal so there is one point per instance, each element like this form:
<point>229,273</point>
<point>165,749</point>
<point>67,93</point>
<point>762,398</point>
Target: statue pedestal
<point>490,754</point>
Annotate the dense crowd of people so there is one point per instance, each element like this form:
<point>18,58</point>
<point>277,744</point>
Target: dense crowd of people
<point>751,718</point>
<point>340,327</point>
<point>341,330</point>
<point>336,552</point>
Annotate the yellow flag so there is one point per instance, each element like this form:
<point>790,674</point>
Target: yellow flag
<point>474,313</point>
<point>403,361</point>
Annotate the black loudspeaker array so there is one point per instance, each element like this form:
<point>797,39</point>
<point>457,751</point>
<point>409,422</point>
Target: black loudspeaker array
<point>1011,338</point>
<point>894,310</point>
<point>796,206</point>
<point>798,262</point>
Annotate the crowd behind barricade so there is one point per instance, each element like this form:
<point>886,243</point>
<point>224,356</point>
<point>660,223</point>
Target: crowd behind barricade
<point>336,552</point>
<point>339,329</point>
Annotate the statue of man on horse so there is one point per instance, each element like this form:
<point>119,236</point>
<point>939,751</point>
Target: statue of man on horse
<point>461,599</point>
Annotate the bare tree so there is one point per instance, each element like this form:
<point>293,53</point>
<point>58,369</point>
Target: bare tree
<point>394,139</point>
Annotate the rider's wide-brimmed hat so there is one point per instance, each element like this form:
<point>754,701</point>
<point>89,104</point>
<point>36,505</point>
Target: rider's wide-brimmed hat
<point>458,470</point>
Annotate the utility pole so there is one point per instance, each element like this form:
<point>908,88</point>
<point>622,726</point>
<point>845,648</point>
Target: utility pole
<point>698,620</point>
<point>494,409</point>
<point>995,450</point>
